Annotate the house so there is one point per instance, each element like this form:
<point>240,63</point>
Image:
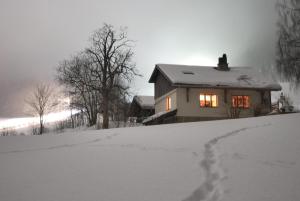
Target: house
<point>194,93</point>
<point>141,107</point>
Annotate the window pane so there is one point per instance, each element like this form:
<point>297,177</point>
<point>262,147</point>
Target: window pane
<point>234,101</point>
<point>240,101</point>
<point>207,101</point>
<point>202,100</point>
<point>214,101</point>
<point>168,103</point>
<point>246,102</point>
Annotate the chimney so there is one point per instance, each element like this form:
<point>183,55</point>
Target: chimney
<point>223,65</point>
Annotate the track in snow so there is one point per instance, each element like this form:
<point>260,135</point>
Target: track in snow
<point>210,189</point>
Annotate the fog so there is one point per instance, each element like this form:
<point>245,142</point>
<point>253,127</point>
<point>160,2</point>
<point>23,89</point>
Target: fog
<point>35,35</point>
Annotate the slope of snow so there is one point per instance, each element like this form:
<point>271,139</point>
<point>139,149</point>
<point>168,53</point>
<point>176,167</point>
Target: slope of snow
<point>249,159</point>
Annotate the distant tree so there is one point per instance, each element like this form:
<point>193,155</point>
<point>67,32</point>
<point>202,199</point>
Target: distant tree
<point>41,102</point>
<point>111,54</point>
<point>288,43</point>
<point>75,74</point>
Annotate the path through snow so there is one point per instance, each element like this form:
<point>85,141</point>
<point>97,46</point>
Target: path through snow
<point>210,189</point>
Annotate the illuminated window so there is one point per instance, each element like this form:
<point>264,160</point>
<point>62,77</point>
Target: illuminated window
<point>168,103</point>
<point>240,101</point>
<point>214,101</point>
<point>208,100</point>
<point>202,100</point>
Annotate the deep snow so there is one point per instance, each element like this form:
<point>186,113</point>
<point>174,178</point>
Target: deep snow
<point>250,159</point>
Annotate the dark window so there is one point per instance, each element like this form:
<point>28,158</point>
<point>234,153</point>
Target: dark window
<point>188,72</point>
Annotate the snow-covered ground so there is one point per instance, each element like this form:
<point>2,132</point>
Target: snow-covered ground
<point>253,159</point>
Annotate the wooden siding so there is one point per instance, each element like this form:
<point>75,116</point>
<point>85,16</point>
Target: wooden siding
<point>161,86</point>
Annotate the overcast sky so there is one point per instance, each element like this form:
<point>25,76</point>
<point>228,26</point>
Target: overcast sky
<point>35,35</point>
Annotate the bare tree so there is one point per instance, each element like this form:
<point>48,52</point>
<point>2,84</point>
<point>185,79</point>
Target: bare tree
<point>288,44</point>
<point>111,54</point>
<point>100,75</point>
<point>41,102</point>
<point>75,74</point>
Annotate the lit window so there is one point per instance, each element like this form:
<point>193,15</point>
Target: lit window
<point>168,103</point>
<point>202,100</point>
<point>246,101</point>
<point>234,101</point>
<point>241,101</point>
<point>214,101</point>
<point>208,100</point>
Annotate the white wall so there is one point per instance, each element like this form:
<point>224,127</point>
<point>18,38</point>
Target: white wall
<point>160,103</point>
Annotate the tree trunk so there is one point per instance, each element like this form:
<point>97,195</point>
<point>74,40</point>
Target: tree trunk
<point>105,112</point>
<point>41,125</point>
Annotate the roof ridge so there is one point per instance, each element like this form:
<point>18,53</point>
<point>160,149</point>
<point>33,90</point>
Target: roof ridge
<point>188,65</point>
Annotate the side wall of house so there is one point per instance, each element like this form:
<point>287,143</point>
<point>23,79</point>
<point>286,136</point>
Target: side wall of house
<point>161,102</point>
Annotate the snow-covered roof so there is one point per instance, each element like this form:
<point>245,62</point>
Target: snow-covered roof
<point>146,102</point>
<point>207,76</point>
<point>158,115</point>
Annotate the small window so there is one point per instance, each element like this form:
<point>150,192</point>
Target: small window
<point>208,100</point>
<point>241,101</point>
<point>168,103</point>
<point>188,72</point>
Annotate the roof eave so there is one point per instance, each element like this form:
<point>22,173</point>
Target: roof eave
<point>155,72</point>
<point>225,87</point>
<point>153,75</point>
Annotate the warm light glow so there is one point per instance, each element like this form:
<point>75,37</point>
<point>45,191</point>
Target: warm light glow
<point>214,102</point>
<point>234,101</point>
<point>208,100</point>
<point>202,100</point>
<point>246,102</point>
<point>241,101</point>
<point>168,103</point>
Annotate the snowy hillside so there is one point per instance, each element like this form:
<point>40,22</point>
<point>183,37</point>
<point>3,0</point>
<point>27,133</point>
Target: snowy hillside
<point>254,159</point>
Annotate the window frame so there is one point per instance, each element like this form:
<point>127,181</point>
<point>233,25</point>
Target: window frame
<point>242,105</point>
<point>210,100</point>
